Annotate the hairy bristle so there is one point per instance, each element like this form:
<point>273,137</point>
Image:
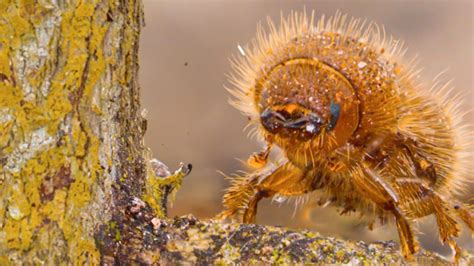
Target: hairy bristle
<point>269,48</point>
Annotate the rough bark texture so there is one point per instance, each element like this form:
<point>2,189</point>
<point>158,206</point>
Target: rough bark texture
<point>76,184</point>
<point>70,129</point>
<point>189,241</point>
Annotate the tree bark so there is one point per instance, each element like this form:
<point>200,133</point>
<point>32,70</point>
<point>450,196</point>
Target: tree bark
<point>70,129</point>
<point>76,182</point>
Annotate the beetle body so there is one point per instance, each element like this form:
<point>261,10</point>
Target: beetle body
<point>352,122</point>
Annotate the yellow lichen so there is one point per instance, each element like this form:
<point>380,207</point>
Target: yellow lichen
<point>155,185</point>
<point>74,67</point>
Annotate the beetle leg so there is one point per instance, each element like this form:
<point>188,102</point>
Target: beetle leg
<point>250,213</point>
<point>408,241</point>
<point>421,200</point>
<point>466,214</point>
<point>375,187</point>
<point>259,160</point>
<point>456,250</point>
<point>284,180</point>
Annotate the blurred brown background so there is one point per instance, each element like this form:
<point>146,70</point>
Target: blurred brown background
<point>185,48</point>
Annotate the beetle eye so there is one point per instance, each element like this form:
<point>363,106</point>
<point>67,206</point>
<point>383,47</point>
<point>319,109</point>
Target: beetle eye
<point>314,124</point>
<point>271,120</point>
<point>296,123</point>
<point>291,123</point>
<point>335,111</point>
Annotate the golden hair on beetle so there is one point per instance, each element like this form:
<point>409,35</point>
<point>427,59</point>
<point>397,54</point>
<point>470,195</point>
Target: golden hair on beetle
<point>353,122</point>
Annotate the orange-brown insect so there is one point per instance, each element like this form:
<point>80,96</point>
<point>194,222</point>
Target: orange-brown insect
<point>352,122</point>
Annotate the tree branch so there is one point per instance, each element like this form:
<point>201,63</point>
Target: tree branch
<point>187,240</point>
